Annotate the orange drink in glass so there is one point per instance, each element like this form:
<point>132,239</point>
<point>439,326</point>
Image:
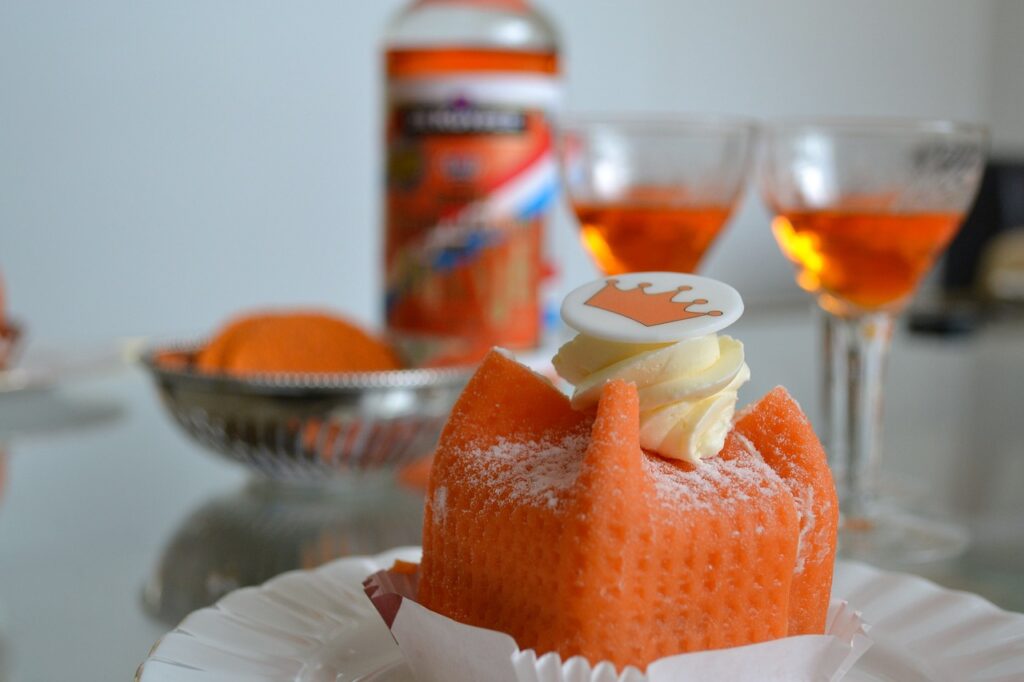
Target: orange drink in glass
<point>871,260</point>
<point>653,194</point>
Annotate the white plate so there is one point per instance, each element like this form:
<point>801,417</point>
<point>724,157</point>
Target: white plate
<point>40,367</point>
<point>318,626</point>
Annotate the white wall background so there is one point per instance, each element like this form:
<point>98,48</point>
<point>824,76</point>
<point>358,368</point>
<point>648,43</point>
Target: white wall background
<point>163,164</point>
<point>1008,78</point>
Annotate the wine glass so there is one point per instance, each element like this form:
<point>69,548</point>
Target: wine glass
<point>863,209</point>
<point>653,193</point>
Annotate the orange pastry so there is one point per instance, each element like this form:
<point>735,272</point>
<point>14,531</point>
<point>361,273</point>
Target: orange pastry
<point>783,436</point>
<point>557,522</point>
<point>307,342</point>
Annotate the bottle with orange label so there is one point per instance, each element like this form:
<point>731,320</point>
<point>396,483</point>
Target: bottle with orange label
<point>472,86</point>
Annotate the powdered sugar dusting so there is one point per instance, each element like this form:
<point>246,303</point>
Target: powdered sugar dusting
<point>530,472</point>
<point>805,512</point>
<point>543,472</point>
<point>439,504</point>
<point>745,480</point>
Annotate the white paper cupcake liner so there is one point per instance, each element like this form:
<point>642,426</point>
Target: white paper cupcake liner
<point>439,649</point>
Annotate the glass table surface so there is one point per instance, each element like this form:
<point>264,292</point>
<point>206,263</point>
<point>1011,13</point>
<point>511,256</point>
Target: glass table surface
<point>113,525</point>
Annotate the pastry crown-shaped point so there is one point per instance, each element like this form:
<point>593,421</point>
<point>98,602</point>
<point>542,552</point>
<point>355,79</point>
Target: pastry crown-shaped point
<point>646,308</point>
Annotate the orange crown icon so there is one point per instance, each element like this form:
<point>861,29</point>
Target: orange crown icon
<point>649,310</point>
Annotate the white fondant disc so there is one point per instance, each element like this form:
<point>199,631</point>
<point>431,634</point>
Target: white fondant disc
<point>652,307</point>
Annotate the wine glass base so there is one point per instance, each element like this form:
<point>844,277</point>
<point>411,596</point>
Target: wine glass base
<point>896,538</point>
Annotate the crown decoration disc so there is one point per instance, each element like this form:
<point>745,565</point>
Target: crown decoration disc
<point>652,307</point>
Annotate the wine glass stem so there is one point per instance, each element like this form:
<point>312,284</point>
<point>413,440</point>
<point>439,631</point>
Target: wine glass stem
<point>833,376</point>
<point>856,349</point>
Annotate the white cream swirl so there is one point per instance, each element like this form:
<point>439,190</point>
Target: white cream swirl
<point>688,389</point>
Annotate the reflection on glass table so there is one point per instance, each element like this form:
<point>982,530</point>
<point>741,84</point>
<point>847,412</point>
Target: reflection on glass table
<point>248,536</point>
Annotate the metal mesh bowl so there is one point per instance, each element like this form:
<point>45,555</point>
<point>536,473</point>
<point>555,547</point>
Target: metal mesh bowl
<point>308,428</point>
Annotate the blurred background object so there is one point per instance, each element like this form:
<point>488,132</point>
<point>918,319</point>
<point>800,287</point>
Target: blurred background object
<point>985,258</point>
<point>309,428</point>
<point>165,164</point>
<point>10,332</point>
<point>1002,274</point>
<point>472,89</point>
<point>982,273</point>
